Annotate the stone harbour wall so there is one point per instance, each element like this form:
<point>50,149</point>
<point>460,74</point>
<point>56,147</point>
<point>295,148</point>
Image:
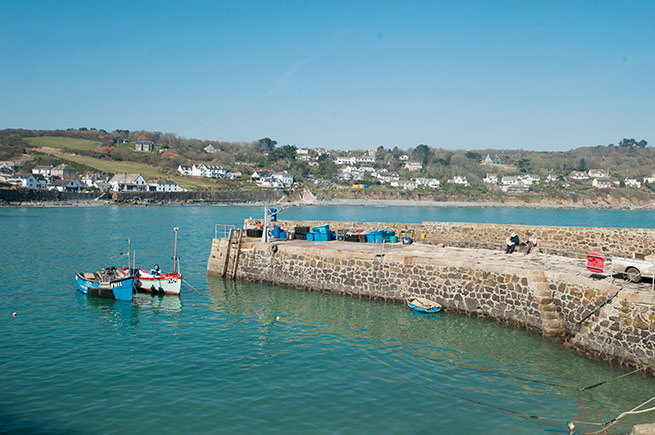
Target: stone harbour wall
<point>610,241</point>
<point>547,302</point>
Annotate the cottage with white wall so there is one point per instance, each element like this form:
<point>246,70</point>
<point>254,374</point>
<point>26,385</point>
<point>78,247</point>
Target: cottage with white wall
<point>632,182</point>
<point>128,183</point>
<point>598,173</point>
<point>414,166</point>
<point>490,179</point>
<point>457,179</point>
<point>578,175</point>
<point>601,184</point>
<point>432,183</point>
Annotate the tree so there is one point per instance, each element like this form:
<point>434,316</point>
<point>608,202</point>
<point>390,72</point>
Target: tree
<point>582,166</point>
<point>421,153</point>
<point>524,165</point>
<point>265,145</point>
<point>286,153</point>
<point>326,167</point>
<point>628,143</point>
<point>473,155</point>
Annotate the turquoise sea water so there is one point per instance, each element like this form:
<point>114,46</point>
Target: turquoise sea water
<point>215,360</point>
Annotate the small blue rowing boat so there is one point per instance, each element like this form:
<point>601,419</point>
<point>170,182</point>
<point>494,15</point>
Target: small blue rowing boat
<point>423,305</point>
<point>106,284</point>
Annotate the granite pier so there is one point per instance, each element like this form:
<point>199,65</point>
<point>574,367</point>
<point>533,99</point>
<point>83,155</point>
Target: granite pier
<point>554,295</point>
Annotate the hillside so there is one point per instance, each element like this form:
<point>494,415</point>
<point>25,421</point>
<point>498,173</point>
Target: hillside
<point>93,150</point>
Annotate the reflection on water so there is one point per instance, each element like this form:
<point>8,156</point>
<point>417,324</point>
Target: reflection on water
<point>72,363</point>
<point>446,354</point>
<point>120,313</point>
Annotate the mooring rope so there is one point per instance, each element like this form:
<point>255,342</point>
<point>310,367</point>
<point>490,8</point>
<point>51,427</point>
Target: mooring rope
<point>589,387</point>
<point>196,290</point>
<point>633,411</point>
<point>448,393</point>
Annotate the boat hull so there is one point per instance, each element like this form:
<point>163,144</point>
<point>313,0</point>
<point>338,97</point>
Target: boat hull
<point>120,288</point>
<point>422,305</point>
<point>168,283</point>
<point>425,310</point>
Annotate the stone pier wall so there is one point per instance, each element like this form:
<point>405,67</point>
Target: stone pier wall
<point>611,241</point>
<point>547,302</point>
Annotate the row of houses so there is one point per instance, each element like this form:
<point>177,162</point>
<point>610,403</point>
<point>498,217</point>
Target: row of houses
<point>118,183</point>
<point>208,171</point>
<point>280,179</point>
<point>137,183</point>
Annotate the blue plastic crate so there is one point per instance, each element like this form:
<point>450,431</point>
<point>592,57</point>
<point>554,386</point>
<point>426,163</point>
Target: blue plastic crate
<point>321,229</point>
<point>320,237</point>
<point>373,235</point>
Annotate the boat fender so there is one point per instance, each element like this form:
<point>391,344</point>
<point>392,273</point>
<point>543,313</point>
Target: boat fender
<point>274,249</point>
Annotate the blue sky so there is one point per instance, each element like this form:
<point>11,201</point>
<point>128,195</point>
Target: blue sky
<point>341,75</point>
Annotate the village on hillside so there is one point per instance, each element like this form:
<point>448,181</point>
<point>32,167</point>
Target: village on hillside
<point>289,167</point>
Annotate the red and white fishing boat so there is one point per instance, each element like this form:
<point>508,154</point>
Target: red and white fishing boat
<point>154,281</point>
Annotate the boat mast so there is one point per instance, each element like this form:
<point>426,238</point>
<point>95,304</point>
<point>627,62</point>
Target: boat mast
<point>176,229</point>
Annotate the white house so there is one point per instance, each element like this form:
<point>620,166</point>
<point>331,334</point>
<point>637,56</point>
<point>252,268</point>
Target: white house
<point>302,151</point>
<point>601,184</point>
<point>650,179</point>
<point>260,175</point>
<point>284,178</point>
<point>66,185</point>
<point>345,160</point>
<point>184,170</point>
<point>367,169</point>
<point>413,166</point>
<point>366,159</point>
<point>597,173</point>
<point>42,170</point>
<point>428,182</point>
<point>632,182</point>
<point>210,149</point>
<point>128,183</point>
<point>508,180</point>
<point>407,185</point>
<point>233,175</point>
<point>167,185</point>
<point>495,160</point>
<point>528,180</point>
<point>459,180</point>
<point>517,184</point>
<point>385,176</point>
<point>404,158</point>
<point>207,171</point>
<point>491,179</point>
<point>578,175</point>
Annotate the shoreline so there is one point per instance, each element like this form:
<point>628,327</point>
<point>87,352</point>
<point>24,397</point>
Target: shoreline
<point>340,202</point>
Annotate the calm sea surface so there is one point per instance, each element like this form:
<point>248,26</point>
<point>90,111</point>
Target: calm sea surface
<point>215,360</point>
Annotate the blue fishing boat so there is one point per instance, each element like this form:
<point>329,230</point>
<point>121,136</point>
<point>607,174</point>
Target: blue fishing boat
<point>423,305</point>
<point>106,284</point>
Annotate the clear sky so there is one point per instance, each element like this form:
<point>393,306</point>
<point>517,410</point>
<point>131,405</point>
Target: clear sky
<point>549,75</point>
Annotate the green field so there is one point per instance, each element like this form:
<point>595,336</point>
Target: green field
<point>111,167</point>
<point>64,143</point>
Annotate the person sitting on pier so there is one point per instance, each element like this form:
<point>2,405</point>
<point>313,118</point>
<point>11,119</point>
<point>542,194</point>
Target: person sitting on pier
<point>532,242</point>
<point>511,242</point>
